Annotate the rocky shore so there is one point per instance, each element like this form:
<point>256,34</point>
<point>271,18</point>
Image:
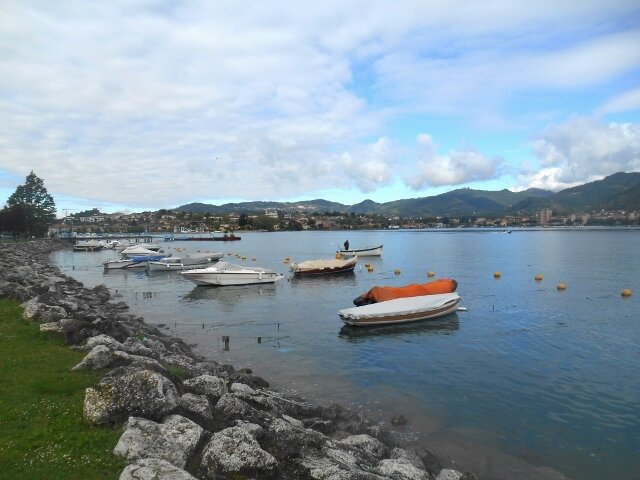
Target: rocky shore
<point>187,418</point>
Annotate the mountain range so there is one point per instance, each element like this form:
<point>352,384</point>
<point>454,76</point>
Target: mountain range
<point>620,191</point>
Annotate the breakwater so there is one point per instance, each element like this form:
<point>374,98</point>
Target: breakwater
<point>186,417</point>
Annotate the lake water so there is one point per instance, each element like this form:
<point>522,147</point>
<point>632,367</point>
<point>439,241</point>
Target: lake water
<point>531,382</point>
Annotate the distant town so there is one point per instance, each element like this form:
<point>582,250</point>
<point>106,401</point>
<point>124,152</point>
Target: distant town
<point>168,221</point>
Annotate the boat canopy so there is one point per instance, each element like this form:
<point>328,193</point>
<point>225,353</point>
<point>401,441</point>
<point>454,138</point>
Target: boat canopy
<point>400,307</point>
<point>322,264</point>
<point>383,294</point>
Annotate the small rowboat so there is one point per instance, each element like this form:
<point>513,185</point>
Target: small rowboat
<point>401,310</point>
<point>324,267</point>
<point>363,252</point>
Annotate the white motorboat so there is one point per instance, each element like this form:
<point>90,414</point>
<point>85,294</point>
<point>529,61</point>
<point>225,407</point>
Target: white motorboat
<point>187,262</point>
<point>223,273</point>
<point>401,310</point>
<point>363,252</point>
<point>133,262</point>
<point>139,251</point>
<point>88,246</point>
<point>120,247</point>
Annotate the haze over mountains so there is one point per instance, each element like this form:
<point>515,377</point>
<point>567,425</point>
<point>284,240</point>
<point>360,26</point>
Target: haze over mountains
<point>620,191</point>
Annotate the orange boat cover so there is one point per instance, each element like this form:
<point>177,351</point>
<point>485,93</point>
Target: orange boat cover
<point>382,294</point>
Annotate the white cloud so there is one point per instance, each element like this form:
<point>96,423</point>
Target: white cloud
<point>455,168</point>
<point>583,149</point>
<point>371,165</point>
<point>625,102</point>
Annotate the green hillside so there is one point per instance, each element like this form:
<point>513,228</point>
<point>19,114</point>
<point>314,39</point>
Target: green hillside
<point>617,191</point>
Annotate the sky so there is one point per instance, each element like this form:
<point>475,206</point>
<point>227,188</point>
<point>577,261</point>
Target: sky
<point>148,104</point>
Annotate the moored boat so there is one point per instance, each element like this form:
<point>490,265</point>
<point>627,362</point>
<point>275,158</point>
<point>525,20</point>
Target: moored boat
<point>132,262</point>
<point>88,246</point>
<point>384,293</point>
<point>224,273</point>
<point>139,250</point>
<point>324,266</point>
<point>401,310</point>
<point>184,263</point>
<point>362,252</point>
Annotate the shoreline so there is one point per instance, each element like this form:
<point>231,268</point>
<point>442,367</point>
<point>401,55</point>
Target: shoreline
<point>159,387</point>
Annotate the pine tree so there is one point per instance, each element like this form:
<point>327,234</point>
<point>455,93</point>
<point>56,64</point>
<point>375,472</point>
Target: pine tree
<point>39,207</point>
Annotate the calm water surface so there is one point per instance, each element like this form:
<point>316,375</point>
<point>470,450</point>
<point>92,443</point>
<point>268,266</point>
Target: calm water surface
<point>529,383</point>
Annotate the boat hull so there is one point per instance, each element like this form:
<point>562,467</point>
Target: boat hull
<point>167,267</point>
<point>363,252</point>
<point>402,310</point>
<point>222,279</point>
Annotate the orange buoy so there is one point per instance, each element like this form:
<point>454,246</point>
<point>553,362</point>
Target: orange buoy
<point>561,286</point>
<point>496,274</point>
<point>397,271</point>
<point>538,277</point>
<point>626,292</point>
<point>430,274</point>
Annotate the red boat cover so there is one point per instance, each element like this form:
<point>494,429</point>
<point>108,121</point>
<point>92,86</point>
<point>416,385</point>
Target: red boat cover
<point>382,294</point>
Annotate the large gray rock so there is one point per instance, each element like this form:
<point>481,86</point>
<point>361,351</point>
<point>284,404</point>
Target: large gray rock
<point>154,469</point>
<point>196,406</point>
<point>234,451</point>
<point>173,440</point>
<point>30,307</point>
<point>448,474</point>
<point>213,387</point>
<point>400,469</point>
<point>230,408</point>
<point>286,437</point>
<point>99,357</point>
<point>126,392</point>
<point>105,340</point>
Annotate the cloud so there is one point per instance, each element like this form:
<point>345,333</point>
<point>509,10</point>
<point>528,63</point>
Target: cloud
<point>152,103</point>
<point>625,102</point>
<point>371,166</point>
<point>455,168</point>
<point>583,149</point>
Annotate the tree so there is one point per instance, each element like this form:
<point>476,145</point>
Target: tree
<point>14,220</point>
<point>39,207</point>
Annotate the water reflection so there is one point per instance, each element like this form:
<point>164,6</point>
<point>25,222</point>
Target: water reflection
<point>444,325</point>
<point>329,279</point>
<point>230,294</point>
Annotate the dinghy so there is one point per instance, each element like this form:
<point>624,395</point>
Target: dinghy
<point>401,310</point>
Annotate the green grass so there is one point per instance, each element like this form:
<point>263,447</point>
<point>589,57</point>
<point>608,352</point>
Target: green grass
<point>42,433</point>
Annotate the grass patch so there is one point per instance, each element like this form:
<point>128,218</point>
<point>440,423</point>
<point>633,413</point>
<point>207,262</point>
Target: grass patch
<point>42,433</point>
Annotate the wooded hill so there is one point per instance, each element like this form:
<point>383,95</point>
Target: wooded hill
<point>620,191</point>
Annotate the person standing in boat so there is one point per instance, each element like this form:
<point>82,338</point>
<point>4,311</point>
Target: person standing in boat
<point>346,244</point>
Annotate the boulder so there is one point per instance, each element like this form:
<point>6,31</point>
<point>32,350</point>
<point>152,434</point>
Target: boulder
<point>130,391</point>
<point>99,357</point>
<point>230,408</point>
<point>400,469</point>
<point>235,452</point>
<point>213,387</point>
<point>448,474</point>
<point>105,340</point>
<point>196,406</point>
<point>154,469</point>
<point>173,440</point>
